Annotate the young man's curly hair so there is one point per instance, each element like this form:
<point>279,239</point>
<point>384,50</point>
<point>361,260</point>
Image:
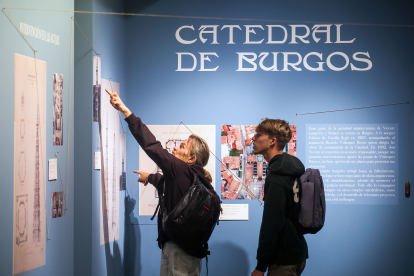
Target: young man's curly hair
<point>276,128</point>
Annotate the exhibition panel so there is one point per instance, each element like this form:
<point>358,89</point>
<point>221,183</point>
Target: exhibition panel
<point>342,80</point>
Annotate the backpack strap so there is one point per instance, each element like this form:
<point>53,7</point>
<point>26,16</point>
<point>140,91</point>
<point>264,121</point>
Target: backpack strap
<point>156,210</point>
<point>294,203</point>
<point>160,200</point>
<point>207,253</point>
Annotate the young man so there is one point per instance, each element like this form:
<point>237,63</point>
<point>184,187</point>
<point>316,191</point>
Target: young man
<point>282,250</point>
<point>178,174</point>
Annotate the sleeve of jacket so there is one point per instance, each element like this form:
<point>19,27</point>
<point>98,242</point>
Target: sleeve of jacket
<point>273,222</point>
<point>150,145</point>
<point>154,179</point>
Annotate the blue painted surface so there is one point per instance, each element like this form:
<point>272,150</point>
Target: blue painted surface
<point>83,142</point>
<point>109,42</point>
<point>140,54</point>
<point>357,240</point>
<point>60,247</point>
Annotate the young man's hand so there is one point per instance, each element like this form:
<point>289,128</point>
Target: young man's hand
<point>257,273</point>
<point>143,177</point>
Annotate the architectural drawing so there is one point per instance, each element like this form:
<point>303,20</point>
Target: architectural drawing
<point>96,88</point>
<point>241,164</point>
<point>122,148</point>
<point>22,167</point>
<point>57,201</point>
<point>36,204</point>
<point>114,187</point>
<point>106,183</point>
<point>57,109</point>
<point>170,136</point>
<point>21,221</point>
<point>29,164</point>
<point>110,172</point>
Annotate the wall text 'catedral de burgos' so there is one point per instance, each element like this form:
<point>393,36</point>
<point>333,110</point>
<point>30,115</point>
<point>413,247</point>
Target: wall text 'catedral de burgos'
<point>270,61</point>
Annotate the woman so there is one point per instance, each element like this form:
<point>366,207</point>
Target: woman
<point>178,174</point>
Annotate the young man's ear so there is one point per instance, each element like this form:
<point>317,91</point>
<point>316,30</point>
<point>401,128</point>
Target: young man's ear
<point>273,142</point>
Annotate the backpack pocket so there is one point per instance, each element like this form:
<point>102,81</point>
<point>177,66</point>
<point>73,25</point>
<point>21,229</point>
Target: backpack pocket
<point>307,204</point>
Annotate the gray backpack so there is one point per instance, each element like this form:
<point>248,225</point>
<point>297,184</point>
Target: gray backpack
<point>308,206</point>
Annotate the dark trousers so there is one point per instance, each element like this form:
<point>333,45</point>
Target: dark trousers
<point>286,270</point>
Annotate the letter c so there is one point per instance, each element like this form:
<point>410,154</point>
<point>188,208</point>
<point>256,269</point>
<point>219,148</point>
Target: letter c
<point>178,37</point>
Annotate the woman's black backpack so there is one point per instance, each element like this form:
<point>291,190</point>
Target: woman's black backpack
<point>191,223</point>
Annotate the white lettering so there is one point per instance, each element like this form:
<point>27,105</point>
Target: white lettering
<point>320,64</point>
<point>213,31</point>
<point>231,27</point>
<point>274,67</point>
<point>301,37</point>
<point>249,31</point>
<point>203,57</point>
<point>354,56</point>
<point>315,29</point>
<point>270,41</point>
<point>293,65</point>
<point>338,35</point>
<point>328,61</point>
<point>242,56</point>
<point>182,41</point>
<point>179,62</point>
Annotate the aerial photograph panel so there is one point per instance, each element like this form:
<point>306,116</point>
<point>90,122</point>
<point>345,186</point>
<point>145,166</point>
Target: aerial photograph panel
<point>241,165</point>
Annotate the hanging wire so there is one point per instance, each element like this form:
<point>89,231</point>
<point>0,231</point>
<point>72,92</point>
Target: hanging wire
<point>51,195</point>
<point>346,109</point>
<point>17,28</point>
<point>215,18</point>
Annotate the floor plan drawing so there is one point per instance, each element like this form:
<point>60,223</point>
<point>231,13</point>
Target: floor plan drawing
<point>110,172</point>
<point>170,136</point>
<point>21,220</point>
<point>29,164</point>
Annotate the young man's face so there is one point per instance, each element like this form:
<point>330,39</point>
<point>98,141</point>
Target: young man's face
<point>182,151</point>
<point>261,142</point>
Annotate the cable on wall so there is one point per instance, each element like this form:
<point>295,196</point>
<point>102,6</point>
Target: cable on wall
<point>216,18</point>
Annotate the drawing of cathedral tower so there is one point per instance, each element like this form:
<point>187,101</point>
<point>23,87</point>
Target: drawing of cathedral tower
<point>36,214</point>
<point>114,190</point>
<point>106,175</point>
<point>122,180</point>
<point>97,95</point>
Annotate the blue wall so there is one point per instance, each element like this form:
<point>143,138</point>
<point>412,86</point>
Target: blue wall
<point>83,142</point>
<point>357,240</point>
<point>109,42</point>
<point>60,247</point>
<point>106,33</point>
<point>140,54</point>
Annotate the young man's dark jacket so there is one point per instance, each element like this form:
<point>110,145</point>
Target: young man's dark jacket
<point>279,242</point>
<point>177,175</point>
